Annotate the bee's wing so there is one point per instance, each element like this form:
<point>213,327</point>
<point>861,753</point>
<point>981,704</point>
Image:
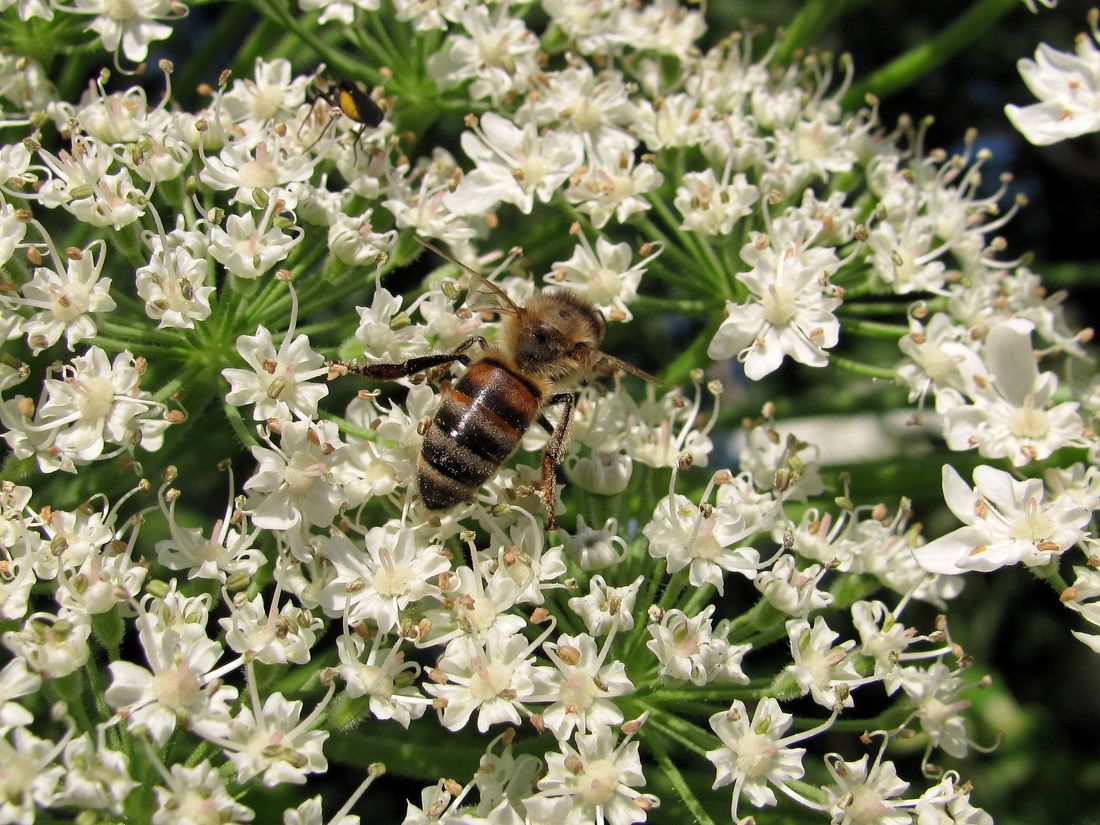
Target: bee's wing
<point>482,290</point>
<point>604,358</point>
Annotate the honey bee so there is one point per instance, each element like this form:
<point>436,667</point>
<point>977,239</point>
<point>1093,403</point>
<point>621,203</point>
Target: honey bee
<point>483,416</point>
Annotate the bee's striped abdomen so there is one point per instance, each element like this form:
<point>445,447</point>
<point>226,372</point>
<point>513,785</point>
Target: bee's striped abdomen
<point>478,424</point>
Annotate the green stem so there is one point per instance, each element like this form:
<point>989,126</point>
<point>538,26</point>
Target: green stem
<point>918,61</point>
<point>691,802</point>
<point>874,329</point>
<point>806,27</point>
<point>702,257</point>
<point>1050,574</point>
<point>866,370</point>
<point>873,308</point>
<point>335,60</point>
<point>237,423</point>
<point>675,728</point>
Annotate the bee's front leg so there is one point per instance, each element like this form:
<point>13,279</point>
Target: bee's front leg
<point>391,372</point>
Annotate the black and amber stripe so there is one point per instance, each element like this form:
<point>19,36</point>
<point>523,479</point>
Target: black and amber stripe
<point>479,422</point>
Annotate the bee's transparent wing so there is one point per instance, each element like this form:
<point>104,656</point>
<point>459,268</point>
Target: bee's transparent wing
<point>483,293</point>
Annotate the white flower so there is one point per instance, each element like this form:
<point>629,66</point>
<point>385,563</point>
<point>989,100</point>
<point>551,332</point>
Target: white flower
<point>52,646</point>
<point>248,171</point>
<point>199,789</point>
<point>582,689</point>
<point>66,301</point>
<point>354,242</point>
<point>755,754</point>
<point>793,591</point>
<point>514,165</point>
<point>175,689</point>
<point>948,803</point>
<point>935,693</point>
<point>819,668</point>
<point>499,54</point>
<point>595,548</point>
<point>789,312</point>
<point>615,183</point>
<point>272,637</point>
<point>131,23</point>
<point>228,551</point>
<point>604,275</point>
<point>247,250</point>
<point>1006,523</point>
<point>28,782</point>
<point>866,793</point>
<point>394,573</point>
<point>700,537</point>
<point>494,678</point>
<point>280,382</point>
<point>711,207</point>
<point>272,93</point>
<point>904,257</point>
<point>293,483</point>
<point>1012,412</point>
<point>693,650</point>
<point>384,676</point>
<point>606,607</point>
<point>598,780</point>
<point>96,776</point>
<point>95,404</point>
<point>884,639</point>
<point>1068,88</point>
<point>173,286</point>
<point>271,742</point>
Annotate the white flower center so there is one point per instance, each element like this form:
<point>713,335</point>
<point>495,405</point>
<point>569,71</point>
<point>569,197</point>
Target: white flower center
<point>257,175</point>
<point>811,144</point>
<point>489,680</point>
<point>176,689</point>
<point>392,581</point>
<point>585,116</point>
<point>578,690</point>
<point>195,806</point>
<point>301,471</point>
<point>1028,422</point>
<point>706,545</point>
<point>67,305</point>
<point>532,171</point>
<point>373,682</point>
<point>754,754</point>
<point>603,286</point>
<point>266,102</point>
<point>120,10</point>
<point>96,398</point>
<point>779,306</point>
<point>936,363</point>
<point>867,806</point>
<point>483,614</point>
<point>598,782</point>
<point>493,48</point>
<point>1032,525</point>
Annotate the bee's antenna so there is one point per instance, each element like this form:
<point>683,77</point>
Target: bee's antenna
<point>500,293</point>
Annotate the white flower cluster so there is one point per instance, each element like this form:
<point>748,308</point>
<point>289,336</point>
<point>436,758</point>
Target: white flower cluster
<point>324,601</point>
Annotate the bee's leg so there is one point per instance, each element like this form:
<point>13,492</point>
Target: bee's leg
<point>555,451</point>
<point>391,372</point>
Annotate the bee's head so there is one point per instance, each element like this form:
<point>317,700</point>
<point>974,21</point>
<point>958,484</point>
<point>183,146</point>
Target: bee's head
<point>555,335</point>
